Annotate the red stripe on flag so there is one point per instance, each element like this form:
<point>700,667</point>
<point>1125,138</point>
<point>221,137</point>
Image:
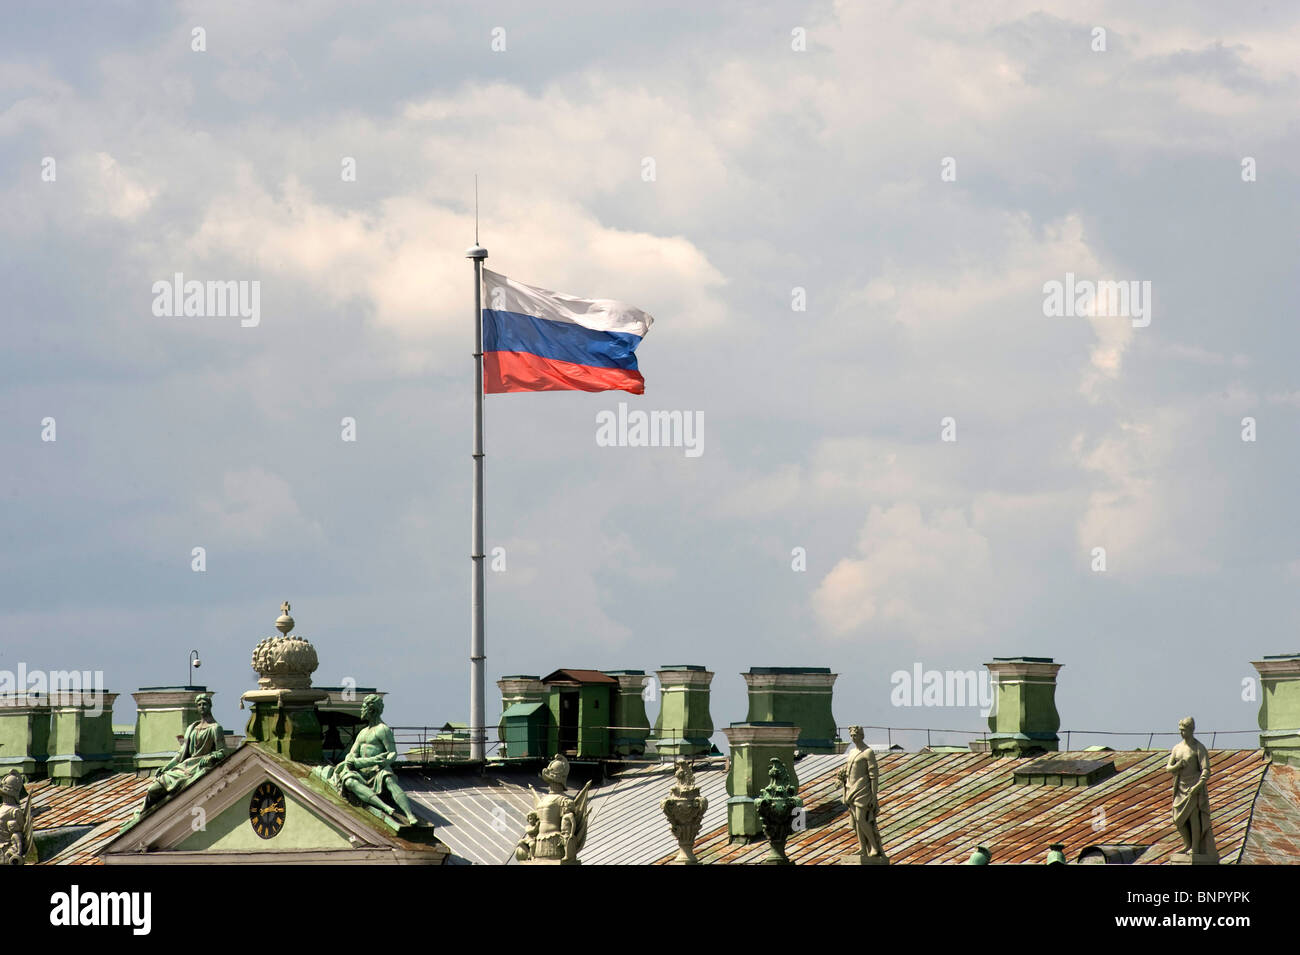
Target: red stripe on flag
<point>505,371</point>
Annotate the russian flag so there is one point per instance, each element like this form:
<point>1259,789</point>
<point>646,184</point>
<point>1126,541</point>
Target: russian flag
<point>538,340</point>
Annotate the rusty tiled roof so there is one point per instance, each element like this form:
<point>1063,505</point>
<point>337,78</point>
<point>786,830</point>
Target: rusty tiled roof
<point>935,808</point>
<point>105,803</point>
<point>1274,836</point>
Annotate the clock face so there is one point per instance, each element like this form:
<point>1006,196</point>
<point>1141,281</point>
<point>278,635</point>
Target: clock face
<point>266,810</point>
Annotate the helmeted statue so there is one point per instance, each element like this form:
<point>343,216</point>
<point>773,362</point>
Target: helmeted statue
<point>557,825</point>
<point>204,746</point>
<point>366,772</point>
<point>15,820</point>
<point>860,778</point>
<point>1189,762</point>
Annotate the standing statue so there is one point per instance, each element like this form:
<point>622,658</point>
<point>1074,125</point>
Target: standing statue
<point>860,778</point>
<point>776,805</point>
<point>557,825</point>
<point>204,746</point>
<point>15,820</point>
<point>1189,762</point>
<point>685,808</point>
<point>366,772</point>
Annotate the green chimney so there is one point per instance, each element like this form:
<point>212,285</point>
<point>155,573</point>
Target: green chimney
<point>24,734</point>
<point>753,744</point>
<point>81,735</point>
<point>525,688</point>
<point>629,727</point>
<point>1279,707</point>
<point>798,695</point>
<point>683,726</point>
<point>161,715</point>
<point>1023,718</point>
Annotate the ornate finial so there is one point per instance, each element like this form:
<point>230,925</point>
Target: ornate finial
<point>284,661</point>
<point>776,804</point>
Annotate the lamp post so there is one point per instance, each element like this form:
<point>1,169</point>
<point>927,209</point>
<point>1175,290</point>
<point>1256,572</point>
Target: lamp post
<point>194,662</point>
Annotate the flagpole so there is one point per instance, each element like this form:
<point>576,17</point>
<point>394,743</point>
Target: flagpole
<point>477,657</point>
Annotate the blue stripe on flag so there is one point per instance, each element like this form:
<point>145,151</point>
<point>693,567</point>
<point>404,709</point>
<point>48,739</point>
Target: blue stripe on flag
<point>558,341</point>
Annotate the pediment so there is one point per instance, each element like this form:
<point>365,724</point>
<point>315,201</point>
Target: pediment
<point>209,822</point>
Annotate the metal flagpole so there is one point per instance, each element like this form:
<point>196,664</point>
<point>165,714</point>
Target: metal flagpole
<point>477,658</point>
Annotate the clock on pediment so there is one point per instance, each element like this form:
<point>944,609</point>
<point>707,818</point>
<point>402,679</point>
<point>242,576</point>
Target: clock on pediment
<point>266,810</point>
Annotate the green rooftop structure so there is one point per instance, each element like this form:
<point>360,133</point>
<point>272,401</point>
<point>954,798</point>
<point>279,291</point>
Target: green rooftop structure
<point>24,734</point>
<point>798,695</point>
<point>81,735</point>
<point>526,730</point>
<point>1279,707</point>
<point>753,746</point>
<point>683,726</point>
<point>517,688</point>
<point>580,704</point>
<point>629,727</point>
<point>1023,719</point>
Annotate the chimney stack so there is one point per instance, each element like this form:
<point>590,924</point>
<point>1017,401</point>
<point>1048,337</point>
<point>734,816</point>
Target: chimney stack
<point>683,726</point>
<point>1023,718</point>
<point>629,725</point>
<point>81,735</point>
<point>753,745</point>
<point>24,734</point>
<point>1279,707</point>
<point>798,695</point>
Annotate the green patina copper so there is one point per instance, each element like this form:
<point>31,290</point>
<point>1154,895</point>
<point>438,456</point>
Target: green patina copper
<point>777,804</point>
<point>366,772</point>
<point>204,746</point>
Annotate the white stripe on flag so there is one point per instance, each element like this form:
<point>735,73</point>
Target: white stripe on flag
<point>598,314</point>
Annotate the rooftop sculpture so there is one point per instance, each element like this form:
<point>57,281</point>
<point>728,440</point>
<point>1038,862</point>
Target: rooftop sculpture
<point>204,746</point>
<point>860,778</point>
<point>685,808</point>
<point>1189,762</point>
<point>366,773</point>
<point>557,824</point>
<point>15,820</point>
<point>776,805</point>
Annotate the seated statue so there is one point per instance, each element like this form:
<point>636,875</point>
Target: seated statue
<point>366,772</point>
<point>15,821</point>
<point>557,826</point>
<point>204,746</point>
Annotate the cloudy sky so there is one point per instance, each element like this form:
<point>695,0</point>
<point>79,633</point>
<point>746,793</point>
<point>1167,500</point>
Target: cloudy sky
<point>919,170</point>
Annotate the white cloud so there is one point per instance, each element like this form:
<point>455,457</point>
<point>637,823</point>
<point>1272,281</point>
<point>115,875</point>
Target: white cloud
<point>926,577</point>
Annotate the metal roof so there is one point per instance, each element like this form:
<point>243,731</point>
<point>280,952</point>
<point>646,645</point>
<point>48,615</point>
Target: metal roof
<point>935,807</point>
<point>1274,836</point>
<point>579,676</point>
<point>627,825</point>
<point>480,818</point>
